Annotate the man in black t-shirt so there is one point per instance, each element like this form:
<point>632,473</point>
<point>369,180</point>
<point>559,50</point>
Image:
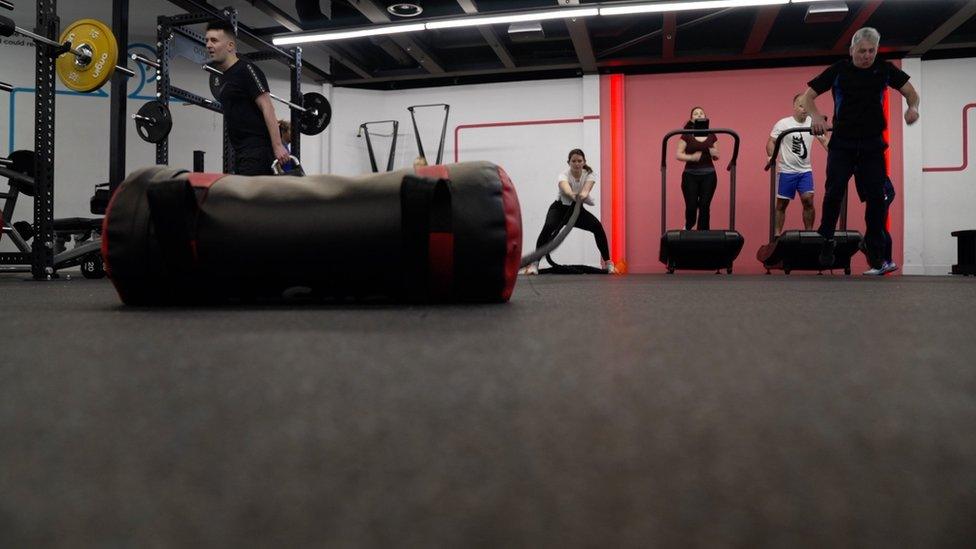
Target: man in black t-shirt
<point>252,125</point>
<point>857,144</point>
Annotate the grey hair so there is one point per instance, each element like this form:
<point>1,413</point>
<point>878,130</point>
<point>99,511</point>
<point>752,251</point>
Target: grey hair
<point>869,34</point>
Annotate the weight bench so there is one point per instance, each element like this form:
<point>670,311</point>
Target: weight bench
<point>84,231</point>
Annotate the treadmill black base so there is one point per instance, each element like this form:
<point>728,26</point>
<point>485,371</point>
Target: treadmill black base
<point>800,251</point>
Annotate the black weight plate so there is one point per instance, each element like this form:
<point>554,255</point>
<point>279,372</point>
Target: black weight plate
<point>316,119</point>
<point>157,130</point>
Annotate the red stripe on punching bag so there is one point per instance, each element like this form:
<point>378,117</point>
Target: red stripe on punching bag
<point>204,180</point>
<point>440,245</point>
<point>433,172</point>
<point>441,264</point>
<point>513,233</point>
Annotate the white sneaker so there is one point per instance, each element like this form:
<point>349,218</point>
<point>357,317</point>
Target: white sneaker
<point>610,268</point>
<point>874,272</point>
<point>531,269</point>
<point>889,267</point>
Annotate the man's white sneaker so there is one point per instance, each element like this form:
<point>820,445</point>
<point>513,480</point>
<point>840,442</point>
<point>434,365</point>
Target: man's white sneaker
<point>610,268</point>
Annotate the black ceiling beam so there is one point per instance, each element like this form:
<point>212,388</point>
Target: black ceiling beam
<point>282,18</point>
<point>580,36</point>
<point>843,43</point>
<point>400,76</point>
<point>489,35</point>
<point>645,37</point>
<point>377,14</point>
<point>669,35</point>
<point>761,25</point>
<point>245,33</point>
<point>964,14</point>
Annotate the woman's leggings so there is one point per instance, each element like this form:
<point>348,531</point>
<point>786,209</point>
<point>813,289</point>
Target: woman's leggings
<point>559,213</point>
<point>698,190</point>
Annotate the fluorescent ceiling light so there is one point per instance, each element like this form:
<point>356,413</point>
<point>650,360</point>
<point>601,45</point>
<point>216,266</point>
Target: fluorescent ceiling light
<point>344,35</point>
<point>660,7</point>
<point>563,13</point>
<point>515,18</point>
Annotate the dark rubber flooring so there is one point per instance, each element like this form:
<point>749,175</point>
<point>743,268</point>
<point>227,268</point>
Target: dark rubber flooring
<point>637,411</point>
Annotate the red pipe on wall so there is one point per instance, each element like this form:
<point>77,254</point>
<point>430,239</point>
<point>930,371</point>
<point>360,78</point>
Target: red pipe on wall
<point>965,145</point>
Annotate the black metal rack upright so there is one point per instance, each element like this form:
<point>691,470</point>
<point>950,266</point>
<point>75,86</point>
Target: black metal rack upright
<point>42,247</point>
<point>119,98</point>
<point>202,12</point>
<point>166,28</point>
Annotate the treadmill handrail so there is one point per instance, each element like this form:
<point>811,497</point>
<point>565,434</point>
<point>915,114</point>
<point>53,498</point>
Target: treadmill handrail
<point>730,168</point>
<point>726,131</point>
<point>772,180</point>
<point>779,142</point>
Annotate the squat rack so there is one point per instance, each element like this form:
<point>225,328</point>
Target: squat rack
<point>41,257</point>
<point>202,12</point>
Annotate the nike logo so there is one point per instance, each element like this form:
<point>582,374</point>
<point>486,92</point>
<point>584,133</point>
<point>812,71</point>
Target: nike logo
<point>799,147</point>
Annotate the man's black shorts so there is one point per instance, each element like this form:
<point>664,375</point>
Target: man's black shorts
<point>254,161</point>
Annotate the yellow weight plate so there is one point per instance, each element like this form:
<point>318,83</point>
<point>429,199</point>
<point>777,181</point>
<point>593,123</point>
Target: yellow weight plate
<point>96,37</point>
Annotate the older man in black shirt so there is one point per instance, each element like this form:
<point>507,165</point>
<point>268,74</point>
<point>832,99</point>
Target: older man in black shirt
<point>857,145</point>
<point>252,125</point>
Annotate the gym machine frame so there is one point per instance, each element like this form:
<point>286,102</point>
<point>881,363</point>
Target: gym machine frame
<point>364,131</point>
<point>416,130</point>
<point>43,255</point>
<point>42,250</point>
<point>202,12</point>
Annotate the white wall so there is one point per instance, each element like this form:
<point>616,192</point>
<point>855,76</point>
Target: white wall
<point>937,203</point>
<point>82,121</point>
<point>533,155</point>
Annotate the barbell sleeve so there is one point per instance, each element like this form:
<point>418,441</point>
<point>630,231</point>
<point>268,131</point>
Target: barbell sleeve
<point>77,53</point>
<point>298,108</point>
<point>146,118</point>
<point>144,60</point>
<point>6,4</point>
<point>6,162</point>
<point>46,40</point>
<point>6,87</point>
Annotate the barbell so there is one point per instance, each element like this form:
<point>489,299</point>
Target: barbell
<point>154,122</point>
<point>94,57</point>
<point>315,114</point>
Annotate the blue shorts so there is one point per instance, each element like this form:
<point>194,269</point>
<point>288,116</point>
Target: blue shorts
<point>791,184</point>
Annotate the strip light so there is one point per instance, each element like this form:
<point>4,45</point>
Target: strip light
<point>345,35</point>
<point>661,7</point>
<point>564,13</point>
<point>515,18</point>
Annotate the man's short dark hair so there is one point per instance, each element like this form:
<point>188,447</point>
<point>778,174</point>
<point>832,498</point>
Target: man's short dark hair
<point>222,25</point>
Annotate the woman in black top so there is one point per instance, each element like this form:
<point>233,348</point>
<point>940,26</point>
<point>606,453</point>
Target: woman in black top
<point>698,181</point>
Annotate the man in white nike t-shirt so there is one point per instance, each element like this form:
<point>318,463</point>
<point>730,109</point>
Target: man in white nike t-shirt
<point>794,173</point>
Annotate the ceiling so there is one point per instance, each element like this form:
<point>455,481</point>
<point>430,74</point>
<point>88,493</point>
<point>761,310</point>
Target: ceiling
<point>692,40</point>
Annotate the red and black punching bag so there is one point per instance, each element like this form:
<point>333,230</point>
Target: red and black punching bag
<point>440,233</point>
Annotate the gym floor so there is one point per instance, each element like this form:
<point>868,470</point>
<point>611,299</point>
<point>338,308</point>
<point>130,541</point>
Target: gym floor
<point>654,411</point>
